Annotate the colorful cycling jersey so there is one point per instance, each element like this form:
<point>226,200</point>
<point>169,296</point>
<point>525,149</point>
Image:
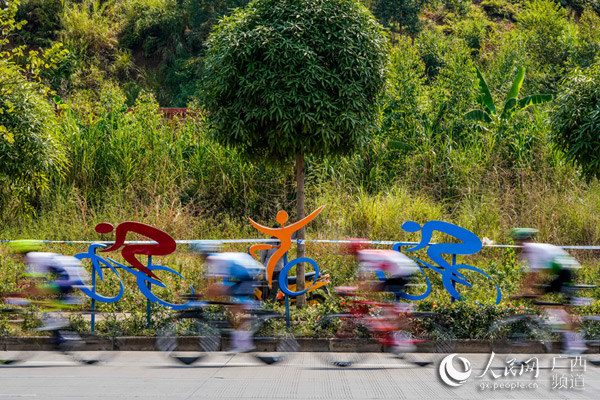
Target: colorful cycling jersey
<point>392,263</point>
<point>235,266</point>
<point>543,256</point>
<point>67,269</point>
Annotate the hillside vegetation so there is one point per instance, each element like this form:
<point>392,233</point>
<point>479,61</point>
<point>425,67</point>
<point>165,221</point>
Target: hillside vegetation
<point>82,139</point>
<point>425,161</point>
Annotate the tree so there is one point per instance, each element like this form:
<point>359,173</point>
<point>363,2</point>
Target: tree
<point>512,104</point>
<point>172,34</point>
<point>576,119</point>
<point>404,13</point>
<point>287,79</point>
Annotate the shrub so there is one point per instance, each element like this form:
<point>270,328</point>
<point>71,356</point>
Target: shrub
<point>432,47</point>
<point>501,8</point>
<point>470,320</point>
<point>474,29</point>
<point>588,46</point>
<point>30,151</point>
<point>402,14</point>
<point>576,120</point>
<point>407,89</point>
<point>547,33</point>
<point>87,30</point>
<point>43,21</point>
<point>30,148</point>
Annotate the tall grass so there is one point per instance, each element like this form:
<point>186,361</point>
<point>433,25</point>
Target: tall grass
<point>137,165</point>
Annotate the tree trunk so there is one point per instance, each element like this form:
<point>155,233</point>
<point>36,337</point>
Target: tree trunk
<point>300,300</point>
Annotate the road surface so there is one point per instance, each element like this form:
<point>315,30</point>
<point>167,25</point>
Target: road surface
<point>149,375</point>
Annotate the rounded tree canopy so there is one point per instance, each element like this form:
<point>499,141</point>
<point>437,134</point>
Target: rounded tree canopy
<point>295,77</point>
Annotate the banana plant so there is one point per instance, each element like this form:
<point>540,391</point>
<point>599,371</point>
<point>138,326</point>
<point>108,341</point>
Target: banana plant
<point>512,104</point>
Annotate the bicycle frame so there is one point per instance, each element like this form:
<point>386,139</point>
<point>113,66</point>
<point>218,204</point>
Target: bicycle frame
<point>381,329</point>
<point>144,282</point>
<point>449,277</point>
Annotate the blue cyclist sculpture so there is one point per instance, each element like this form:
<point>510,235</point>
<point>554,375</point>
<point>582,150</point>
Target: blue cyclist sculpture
<point>468,244</point>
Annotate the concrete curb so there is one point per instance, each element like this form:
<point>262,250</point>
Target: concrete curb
<point>144,343</point>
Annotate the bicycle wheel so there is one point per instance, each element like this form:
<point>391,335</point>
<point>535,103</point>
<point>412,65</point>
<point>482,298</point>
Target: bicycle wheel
<point>344,328</point>
<point>521,331</point>
<point>107,293</point>
<point>11,352</point>
<point>405,347</point>
<point>189,337</point>
<point>274,323</point>
<point>590,330</point>
<point>444,339</point>
<point>85,348</point>
<point>432,333</point>
<point>12,349</point>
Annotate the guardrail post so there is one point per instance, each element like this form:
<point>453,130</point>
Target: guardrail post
<point>287,298</point>
<point>287,311</point>
<point>148,305</point>
<point>453,281</point>
<point>93,307</point>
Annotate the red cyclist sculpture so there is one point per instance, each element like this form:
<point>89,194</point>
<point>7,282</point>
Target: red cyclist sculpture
<point>165,244</point>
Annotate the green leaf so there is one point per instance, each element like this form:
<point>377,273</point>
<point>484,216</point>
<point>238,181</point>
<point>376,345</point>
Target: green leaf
<point>486,97</point>
<point>516,86</point>
<point>478,116</point>
<point>534,100</point>
<point>509,108</point>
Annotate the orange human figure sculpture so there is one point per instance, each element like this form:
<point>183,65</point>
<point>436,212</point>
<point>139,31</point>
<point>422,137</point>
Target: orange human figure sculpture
<point>284,234</point>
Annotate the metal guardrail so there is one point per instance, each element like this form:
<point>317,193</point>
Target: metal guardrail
<point>298,241</point>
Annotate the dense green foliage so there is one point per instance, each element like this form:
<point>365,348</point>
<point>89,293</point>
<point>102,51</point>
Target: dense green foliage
<point>400,15</point>
<point>289,79</point>
<point>30,143</point>
<point>576,120</point>
<point>296,77</point>
<point>488,175</point>
<point>98,162</point>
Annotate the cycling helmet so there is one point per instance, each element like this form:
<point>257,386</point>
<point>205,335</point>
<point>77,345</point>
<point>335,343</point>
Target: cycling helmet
<point>205,247</point>
<point>25,246</point>
<point>356,245</point>
<point>522,233</point>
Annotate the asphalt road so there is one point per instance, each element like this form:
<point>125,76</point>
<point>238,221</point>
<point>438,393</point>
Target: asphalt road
<point>149,375</point>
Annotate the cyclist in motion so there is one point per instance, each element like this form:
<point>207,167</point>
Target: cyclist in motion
<point>542,262</point>
<point>54,279</point>
<point>165,244</point>
<point>393,270</point>
<point>284,234</point>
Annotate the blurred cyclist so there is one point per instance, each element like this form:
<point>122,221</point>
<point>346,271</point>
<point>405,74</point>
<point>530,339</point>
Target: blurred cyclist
<point>241,273</point>
<point>393,270</point>
<point>548,262</point>
<point>53,275</point>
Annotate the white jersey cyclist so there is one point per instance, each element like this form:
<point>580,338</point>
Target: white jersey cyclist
<point>392,263</point>
<point>392,268</point>
<point>544,256</point>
